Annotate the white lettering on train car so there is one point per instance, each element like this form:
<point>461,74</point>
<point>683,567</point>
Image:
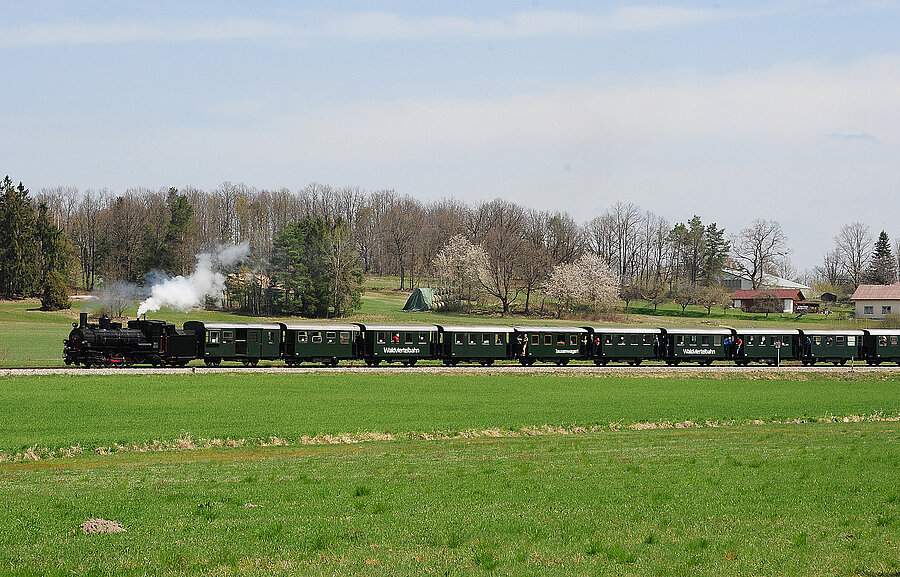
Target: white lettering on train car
<point>699,351</point>
<point>402,350</point>
<point>566,351</point>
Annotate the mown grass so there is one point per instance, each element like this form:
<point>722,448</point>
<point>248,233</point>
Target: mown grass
<point>94,410</point>
<point>774,500</point>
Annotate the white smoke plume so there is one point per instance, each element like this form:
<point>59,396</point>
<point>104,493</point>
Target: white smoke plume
<point>185,293</point>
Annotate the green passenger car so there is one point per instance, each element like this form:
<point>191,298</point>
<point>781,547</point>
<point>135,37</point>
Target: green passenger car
<point>835,346</point>
<point>245,342</point>
<point>882,345</point>
<point>406,344</point>
<point>624,344</point>
<point>700,345</point>
<point>474,344</point>
<point>771,346</point>
<point>319,343</point>
<point>558,345</point>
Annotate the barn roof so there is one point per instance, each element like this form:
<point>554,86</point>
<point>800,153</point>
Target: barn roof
<point>751,294</point>
<point>877,292</point>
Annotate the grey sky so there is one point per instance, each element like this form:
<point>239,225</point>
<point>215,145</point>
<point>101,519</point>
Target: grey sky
<point>731,110</point>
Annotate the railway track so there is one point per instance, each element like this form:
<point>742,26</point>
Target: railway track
<point>461,369</point>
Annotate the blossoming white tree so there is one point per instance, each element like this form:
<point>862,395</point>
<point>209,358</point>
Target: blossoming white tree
<point>458,266</point>
<point>587,281</point>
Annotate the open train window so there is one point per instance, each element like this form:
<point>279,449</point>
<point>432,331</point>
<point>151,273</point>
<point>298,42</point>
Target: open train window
<point>894,340</point>
<point>317,338</point>
<point>380,338</point>
<point>486,339</point>
<point>560,340</point>
<point>829,341</point>
<point>704,340</point>
<point>548,339</point>
<point>621,339</point>
<point>253,337</point>
<point>459,338</point>
<point>573,340</point>
<point>408,338</point>
<point>635,339</point>
<point>345,337</point>
<point>762,340</point>
<point>750,340</point>
<point>648,339</point>
<point>227,336</point>
<point>499,339</point>
<point>817,340</point>
<point>680,341</point>
<point>693,339</point>
<point>717,340</point>
<point>473,339</point>
<point>212,337</point>
<point>270,337</point>
<point>607,339</point>
<point>785,341</point>
<point>301,337</point>
<point>423,338</point>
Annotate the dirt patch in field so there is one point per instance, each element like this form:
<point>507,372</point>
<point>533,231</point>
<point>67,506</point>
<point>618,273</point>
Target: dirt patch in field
<point>92,526</point>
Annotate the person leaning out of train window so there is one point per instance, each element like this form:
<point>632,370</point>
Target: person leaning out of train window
<point>727,342</point>
<point>738,345</point>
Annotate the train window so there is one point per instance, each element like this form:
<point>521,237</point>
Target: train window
<point>212,337</point>
<point>535,340</point>
<point>227,336</point>
<point>840,340</point>
<point>271,337</point>
<point>573,340</point>
<point>254,337</point>
<point>680,341</point>
<point>762,340</point>
<point>380,338</point>
<point>301,337</point>
<point>851,341</point>
<point>499,339</point>
<point>560,339</point>
<point>459,338</point>
<point>648,340</point>
<point>704,340</point>
<point>894,340</point>
<point>607,339</point>
<point>423,338</point>
<point>635,339</point>
<point>828,341</point>
<point>330,336</point>
<point>317,337</point>
<point>548,339</point>
<point>408,338</point>
<point>395,338</point>
<point>817,340</point>
<point>345,337</point>
<point>486,339</point>
<point>621,339</point>
<point>693,339</point>
<point>785,341</point>
<point>717,340</point>
<point>750,340</point>
<point>473,338</point>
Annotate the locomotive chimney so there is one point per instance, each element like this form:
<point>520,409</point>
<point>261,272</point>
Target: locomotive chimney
<point>82,320</point>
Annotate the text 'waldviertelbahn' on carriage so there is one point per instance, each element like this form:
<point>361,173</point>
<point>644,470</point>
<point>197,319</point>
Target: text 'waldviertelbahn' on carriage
<point>158,343</point>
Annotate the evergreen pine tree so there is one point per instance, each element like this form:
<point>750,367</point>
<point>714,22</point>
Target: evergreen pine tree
<point>883,267</point>
<point>19,270</point>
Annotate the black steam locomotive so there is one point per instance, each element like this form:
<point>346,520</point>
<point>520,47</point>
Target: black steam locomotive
<point>108,344</point>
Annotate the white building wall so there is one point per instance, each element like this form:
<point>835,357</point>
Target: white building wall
<point>877,308</point>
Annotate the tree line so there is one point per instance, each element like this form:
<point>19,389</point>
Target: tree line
<point>124,236</point>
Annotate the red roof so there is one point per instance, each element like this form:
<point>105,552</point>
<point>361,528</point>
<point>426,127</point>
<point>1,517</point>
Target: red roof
<point>877,292</point>
<point>750,294</point>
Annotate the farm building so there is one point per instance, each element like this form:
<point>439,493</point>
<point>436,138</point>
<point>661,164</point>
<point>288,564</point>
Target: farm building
<point>875,301</point>
<point>755,300</point>
<point>737,280</point>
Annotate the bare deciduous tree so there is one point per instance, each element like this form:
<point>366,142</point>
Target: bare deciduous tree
<point>854,244</point>
<point>758,247</point>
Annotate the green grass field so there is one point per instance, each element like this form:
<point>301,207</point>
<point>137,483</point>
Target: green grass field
<point>461,488</point>
<point>452,474</point>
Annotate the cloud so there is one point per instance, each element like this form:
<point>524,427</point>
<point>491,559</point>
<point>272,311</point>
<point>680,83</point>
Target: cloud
<point>859,137</point>
<point>358,27</point>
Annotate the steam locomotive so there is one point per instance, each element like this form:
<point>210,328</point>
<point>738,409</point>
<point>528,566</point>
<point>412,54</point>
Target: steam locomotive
<point>108,344</point>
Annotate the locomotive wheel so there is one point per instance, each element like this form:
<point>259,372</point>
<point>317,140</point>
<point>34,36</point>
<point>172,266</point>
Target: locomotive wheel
<point>209,362</point>
<point>601,362</point>
<point>254,362</point>
<point>412,362</point>
<point>488,362</point>
<point>708,362</point>
<point>635,362</point>
<point>245,362</point>
<point>334,361</point>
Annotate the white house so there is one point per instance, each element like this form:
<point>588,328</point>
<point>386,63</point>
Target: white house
<point>874,301</point>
